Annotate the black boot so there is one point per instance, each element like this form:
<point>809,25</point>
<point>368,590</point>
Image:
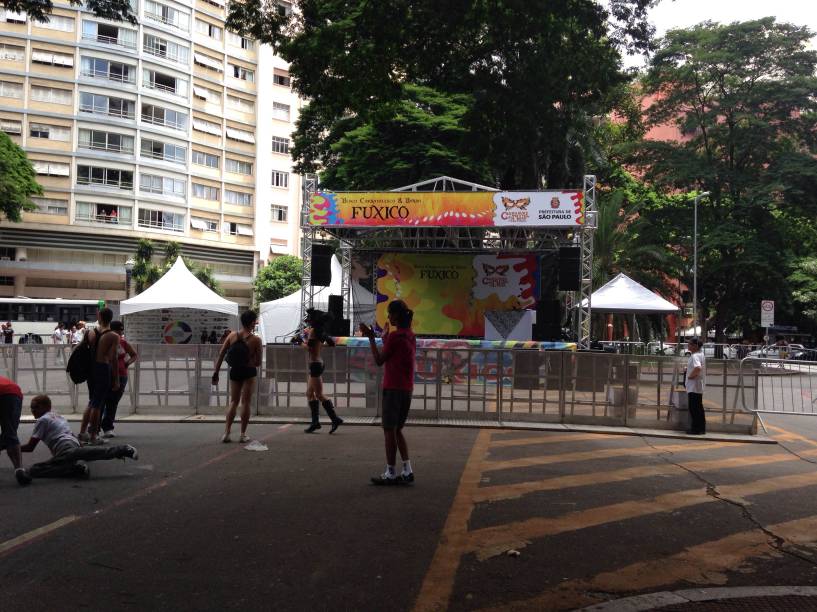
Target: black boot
<point>330,411</point>
<point>314,407</point>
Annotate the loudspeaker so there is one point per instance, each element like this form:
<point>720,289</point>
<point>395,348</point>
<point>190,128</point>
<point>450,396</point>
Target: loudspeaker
<point>548,274</point>
<point>321,262</point>
<point>336,307</point>
<point>340,327</point>
<point>570,268</point>
<point>548,325</point>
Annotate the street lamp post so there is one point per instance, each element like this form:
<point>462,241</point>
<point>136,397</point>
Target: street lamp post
<point>695,262</point>
<point>128,274</point>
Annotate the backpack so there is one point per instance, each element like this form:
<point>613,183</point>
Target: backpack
<point>238,354</point>
<point>81,362</point>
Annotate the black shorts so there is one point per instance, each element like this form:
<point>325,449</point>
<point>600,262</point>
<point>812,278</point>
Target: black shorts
<point>396,404</point>
<point>11,407</point>
<point>242,373</point>
<point>316,368</point>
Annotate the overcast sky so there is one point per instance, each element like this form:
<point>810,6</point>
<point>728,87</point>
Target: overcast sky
<point>671,14</point>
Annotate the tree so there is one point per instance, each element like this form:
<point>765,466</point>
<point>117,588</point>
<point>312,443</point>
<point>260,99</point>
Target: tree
<point>18,181</point>
<point>39,10</point>
<point>279,278</point>
<point>146,271</point>
<point>743,96</point>
<point>536,72</point>
<point>804,289</point>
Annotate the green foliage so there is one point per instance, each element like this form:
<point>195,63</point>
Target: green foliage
<point>279,278</point>
<point>743,95</point>
<point>39,10</point>
<point>804,288</point>
<point>146,271</point>
<point>18,181</point>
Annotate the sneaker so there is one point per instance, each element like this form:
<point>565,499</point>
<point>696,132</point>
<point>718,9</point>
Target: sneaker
<point>109,434</point>
<point>23,477</point>
<point>244,439</point>
<point>83,438</point>
<point>385,479</point>
<point>226,438</point>
<point>81,470</point>
<point>407,478</point>
<point>131,452</point>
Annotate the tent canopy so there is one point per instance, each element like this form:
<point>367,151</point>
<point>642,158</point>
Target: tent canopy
<point>622,295</point>
<point>178,288</point>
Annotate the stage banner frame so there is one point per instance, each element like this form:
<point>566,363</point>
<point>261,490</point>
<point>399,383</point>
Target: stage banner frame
<point>554,209</point>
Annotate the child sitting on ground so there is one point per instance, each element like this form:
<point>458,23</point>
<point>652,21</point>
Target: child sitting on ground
<point>68,456</point>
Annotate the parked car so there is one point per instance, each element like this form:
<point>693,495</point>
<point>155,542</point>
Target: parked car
<point>792,351</point>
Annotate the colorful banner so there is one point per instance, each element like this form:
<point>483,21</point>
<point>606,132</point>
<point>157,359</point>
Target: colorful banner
<point>449,294</point>
<point>447,208</point>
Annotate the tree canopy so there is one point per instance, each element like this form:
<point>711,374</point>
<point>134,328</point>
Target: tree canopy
<point>18,181</point>
<point>279,278</point>
<point>146,271</point>
<point>39,10</point>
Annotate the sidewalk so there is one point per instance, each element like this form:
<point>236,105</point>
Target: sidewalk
<point>743,599</point>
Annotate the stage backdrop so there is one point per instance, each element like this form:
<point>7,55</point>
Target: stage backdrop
<point>449,294</point>
<point>447,208</point>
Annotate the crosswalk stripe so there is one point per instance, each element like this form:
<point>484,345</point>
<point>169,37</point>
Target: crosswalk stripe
<point>544,439</point>
<point>511,491</point>
<point>490,541</point>
<point>597,454</point>
<point>700,564</point>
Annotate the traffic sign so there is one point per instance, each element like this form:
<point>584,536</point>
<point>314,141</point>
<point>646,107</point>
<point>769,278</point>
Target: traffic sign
<point>767,313</point>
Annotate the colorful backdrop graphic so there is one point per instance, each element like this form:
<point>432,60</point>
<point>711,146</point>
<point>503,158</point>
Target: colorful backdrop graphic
<point>447,208</point>
<point>449,294</point>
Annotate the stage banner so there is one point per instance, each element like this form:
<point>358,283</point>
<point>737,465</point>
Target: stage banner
<point>447,208</point>
<point>450,294</point>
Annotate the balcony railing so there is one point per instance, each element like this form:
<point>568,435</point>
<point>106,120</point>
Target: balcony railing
<point>176,125</point>
<point>162,156</point>
<point>166,21</point>
<point>160,87</point>
<point>109,76</point>
<point>122,114</point>
<point>163,53</point>
<point>165,225</point>
<point>105,183</point>
<point>108,219</point>
<point>126,149</point>
<point>110,40</point>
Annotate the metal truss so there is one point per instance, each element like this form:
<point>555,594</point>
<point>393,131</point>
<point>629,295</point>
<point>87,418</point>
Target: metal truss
<point>585,240</point>
<point>309,185</point>
<point>442,183</point>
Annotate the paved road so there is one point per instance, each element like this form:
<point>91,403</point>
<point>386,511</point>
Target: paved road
<point>195,524</point>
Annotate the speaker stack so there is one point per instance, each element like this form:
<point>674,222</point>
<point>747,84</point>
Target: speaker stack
<point>548,326</point>
<point>570,268</point>
<point>321,265</point>
<point>339,326</point>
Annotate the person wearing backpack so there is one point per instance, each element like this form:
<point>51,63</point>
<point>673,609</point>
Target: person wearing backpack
<point>242,352</point>
<point>103,378</point>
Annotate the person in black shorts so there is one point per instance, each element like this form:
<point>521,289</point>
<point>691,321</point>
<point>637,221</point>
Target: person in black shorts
<point>399,348</point>
<point>316,338</point>
<point>242,350</point>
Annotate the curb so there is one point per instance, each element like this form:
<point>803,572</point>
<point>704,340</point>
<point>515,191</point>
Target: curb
<point>656,601</point>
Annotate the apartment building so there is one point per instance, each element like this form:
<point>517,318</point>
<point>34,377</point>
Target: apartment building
<point>175,129</point>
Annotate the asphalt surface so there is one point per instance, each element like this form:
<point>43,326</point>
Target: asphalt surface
<point>503,520</point>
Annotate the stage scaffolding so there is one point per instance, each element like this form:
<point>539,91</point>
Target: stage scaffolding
<point>452,239</point>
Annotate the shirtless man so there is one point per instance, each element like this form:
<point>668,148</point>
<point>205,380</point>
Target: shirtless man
<point>104,377</point>
<point>315,339</point>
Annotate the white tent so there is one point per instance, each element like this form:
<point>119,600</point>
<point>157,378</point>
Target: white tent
<point>280,319</point>
<point>622,295</point>
<point>178,288</point>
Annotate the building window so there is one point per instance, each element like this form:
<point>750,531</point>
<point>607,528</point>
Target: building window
<point>50,132</point>
<point>12,53</point>
<point>62,60</point>
<point>166,151</point>
<point>279,213</point>
<point>160,219</point>
<point>105,69</point>
<point>13,17</point>
<point>245,106</point>
<point>51,95</point>
<point>284,8</point>
<point>237,229</point>
<point>105,141</point>
<point>51,168</point>
<point>207,126</point>
<point>159,47</point>
<point>211,96</point>
<point>239,72</point>
<point>108,177</point>
<point>280,111</point>
<point>104,213</point>
<point>108,34</point>
<point>204,225</point>
<point>167,15</point>
<point>10,127</point>
<point>238,198</point>
<point>241,135</point>
<point>205,192</point>
<point>200,158</point>
<point>280,77</point>
<point>157,115</point>
<point>236,40</point>
<point>11,90</point>
<point>238,167</point>
<point>280,145</point>
<point>208,29</point>
<point>153,183</point>
<point>59,23</point>
<point>164,82</point>
<point>201,59</point>
<point>280,179</point>
<point>51,206</point>
<point>99,104</point>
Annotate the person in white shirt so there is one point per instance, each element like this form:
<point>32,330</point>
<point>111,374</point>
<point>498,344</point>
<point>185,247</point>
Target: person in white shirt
<point>694,382</point>
<point>68,457</point>
<point>78,334</point>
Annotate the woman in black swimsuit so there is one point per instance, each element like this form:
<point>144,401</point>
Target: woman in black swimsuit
<point>315,339</point>
<point>243,352</point>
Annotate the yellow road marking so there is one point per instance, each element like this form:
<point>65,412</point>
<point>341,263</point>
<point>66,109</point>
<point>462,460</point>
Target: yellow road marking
<point>439,580</point>
<point>703,564</point>
<point>511,491</point>
<point>597,454</point>
<point>36,533</point>
<point>544,439</point>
